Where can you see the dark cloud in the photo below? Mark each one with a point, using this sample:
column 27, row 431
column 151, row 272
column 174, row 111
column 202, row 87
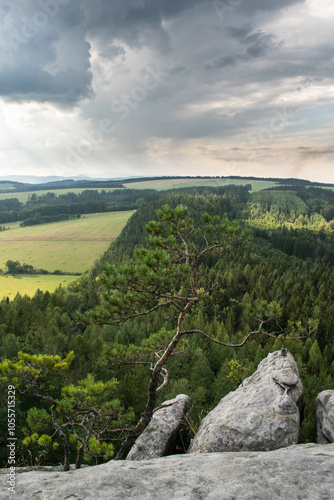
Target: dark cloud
column 54, row 65
column 223, row 61
column 44, row 55
column 240, row 32
column 258, row 44
column 132, row 20
column 33, row 84
column 135, row 22
column 251, row 6
column 313, row 154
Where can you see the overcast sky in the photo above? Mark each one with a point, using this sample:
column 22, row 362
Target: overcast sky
column 114, row 88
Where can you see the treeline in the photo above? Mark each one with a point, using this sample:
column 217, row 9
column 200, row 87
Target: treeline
column 68, row 183
column 287, row 181
column 46, row 219
column 294, row 202
column 264, row 269
column 107, row 199
column 15, row 267
column 38, row 208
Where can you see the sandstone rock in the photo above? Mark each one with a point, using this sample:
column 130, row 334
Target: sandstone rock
column 298, row 472
column 262, row 414
column 324, row 407
column 166, row 434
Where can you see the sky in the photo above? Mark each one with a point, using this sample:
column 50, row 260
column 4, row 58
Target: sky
column 118, row 88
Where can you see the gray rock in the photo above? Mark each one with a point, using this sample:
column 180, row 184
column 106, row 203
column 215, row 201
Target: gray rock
column 324, row 408
column 263, row 414
column 298, row 472
column 166, row 434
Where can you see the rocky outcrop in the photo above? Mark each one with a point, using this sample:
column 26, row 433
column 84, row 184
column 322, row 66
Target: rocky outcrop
column 297, row 472
column 262, row 414
column 324, row 408
column 166, row 434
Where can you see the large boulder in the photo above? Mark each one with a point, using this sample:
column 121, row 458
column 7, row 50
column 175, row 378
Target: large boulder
column 262, row 414
column 297, row 472
column 324, row 408
column 166, row 434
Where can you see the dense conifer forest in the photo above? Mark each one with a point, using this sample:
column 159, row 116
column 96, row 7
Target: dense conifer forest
column 289, row 259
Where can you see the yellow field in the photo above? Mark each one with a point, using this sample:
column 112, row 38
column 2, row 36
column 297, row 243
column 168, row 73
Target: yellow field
column 159, row 184
column 27, row 285
column 69, row 246
column 4, row 185
column 162, row 184
column 66, row 256
column 24, row 196
column 100, row 227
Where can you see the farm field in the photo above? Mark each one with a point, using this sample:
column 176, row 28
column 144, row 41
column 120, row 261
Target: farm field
column 27, row 285
column 24, row 195
column 4, row 185
column 158, row 184
column 103, row 226
column 161, row 184
column 69, row 246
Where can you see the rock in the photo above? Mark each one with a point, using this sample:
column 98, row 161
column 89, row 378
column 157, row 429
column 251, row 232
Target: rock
column 166, row 434
column 262, row 414
column 297, row 472
column 324, row 408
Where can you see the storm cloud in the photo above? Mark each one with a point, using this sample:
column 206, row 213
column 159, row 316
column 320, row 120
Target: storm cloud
column 177, row 81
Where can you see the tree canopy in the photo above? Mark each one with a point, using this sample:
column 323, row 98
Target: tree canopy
column 288, row 261
column 166, row 273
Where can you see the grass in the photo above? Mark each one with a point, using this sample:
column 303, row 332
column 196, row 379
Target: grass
column 162, row 184
column 24, row 196
column 5, row 185
column 28, row 285
column 159, row 184
column 70, row 246
column 99, row 227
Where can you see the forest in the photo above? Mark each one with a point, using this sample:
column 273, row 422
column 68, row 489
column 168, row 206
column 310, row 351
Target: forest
column 52, row 208
column 286, row 258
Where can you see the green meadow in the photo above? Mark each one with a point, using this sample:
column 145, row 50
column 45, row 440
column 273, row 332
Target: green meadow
column 27, row 285
column 69, row 246
column 5, row 185
column 24, row 196
column 161, row 184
